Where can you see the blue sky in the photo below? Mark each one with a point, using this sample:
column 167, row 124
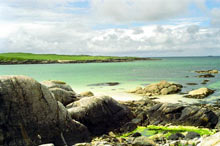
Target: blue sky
column 111, row 27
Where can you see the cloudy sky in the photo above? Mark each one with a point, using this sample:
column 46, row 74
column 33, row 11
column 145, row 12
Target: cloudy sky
column 111, row 27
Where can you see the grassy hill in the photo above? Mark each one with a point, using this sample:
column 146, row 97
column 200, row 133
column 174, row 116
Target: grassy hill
column 29, row 58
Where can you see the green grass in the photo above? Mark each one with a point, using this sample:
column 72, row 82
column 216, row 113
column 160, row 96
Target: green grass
column 52, row 57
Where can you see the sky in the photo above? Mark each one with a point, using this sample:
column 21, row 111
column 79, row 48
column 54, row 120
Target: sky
column 146, row 28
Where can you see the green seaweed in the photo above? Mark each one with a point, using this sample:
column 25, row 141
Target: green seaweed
column 153, row 131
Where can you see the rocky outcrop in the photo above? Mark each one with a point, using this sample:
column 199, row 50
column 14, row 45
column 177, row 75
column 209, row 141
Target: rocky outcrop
column 182, row 115
column 162, row 88
column 206, row 76
column 86, row 94
column 200, row 93
column 30, row 115
column 99, row 114
column 207, row 71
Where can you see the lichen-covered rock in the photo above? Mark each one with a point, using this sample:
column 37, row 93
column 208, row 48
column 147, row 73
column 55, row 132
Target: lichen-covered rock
column 200, row 93
column 99, row 114
column 57, row 84
column 182, row 115
column 161, row 88
column 86, row 94
column 30, row 115
column 63, row 96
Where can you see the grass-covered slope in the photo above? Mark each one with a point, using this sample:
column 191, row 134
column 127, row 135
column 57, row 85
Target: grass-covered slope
column 23, row 58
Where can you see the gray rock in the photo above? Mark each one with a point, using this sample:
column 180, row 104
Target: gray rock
column 57, row 84
column 176, row 136
column 212, row 140
column 86, row 94
column 63, row 96
column 30, row 115
column 99, row 114
column 143, row 141
column 192, row 135
column 182, row 115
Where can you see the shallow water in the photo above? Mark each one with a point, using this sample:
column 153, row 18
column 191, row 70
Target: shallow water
column 128, row 74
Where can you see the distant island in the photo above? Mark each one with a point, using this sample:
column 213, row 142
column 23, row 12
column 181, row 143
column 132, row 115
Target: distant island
column 29, row 58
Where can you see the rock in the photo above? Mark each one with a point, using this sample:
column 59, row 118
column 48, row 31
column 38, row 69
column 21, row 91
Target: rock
column 206, row 76
column 176, row 136
column 63, row 96
column 207, row 71
column 191, row 84
column 50, row 144
column 30, row 115
column 212, row 140
column 143, row 141
column 99, row 114
column 192, row 135
column 86, row 94
column 137, row 134
column 178, row 114
column 205, row 81
column 162, row 88
column 105, row 84
column 200, row 93
column 57, row 84
column 82, row 144
column 128, row 127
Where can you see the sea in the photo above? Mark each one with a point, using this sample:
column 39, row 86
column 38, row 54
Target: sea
column 129, row 75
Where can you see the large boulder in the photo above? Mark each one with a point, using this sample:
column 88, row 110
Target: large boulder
column 30, row 115
column 63, row 96
column 200, row 93
column 161, row 88
column 99, row 114
column 182, row 115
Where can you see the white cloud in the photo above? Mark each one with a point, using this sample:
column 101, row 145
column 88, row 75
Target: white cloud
column 139, row 10
column 215, row 16
column 143, row 41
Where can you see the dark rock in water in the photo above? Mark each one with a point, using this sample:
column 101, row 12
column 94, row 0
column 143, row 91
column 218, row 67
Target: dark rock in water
column 207, row 71
column 182, row 115
column 99, row 114
column 30, row 115
column 105, row 84
column 192, row 135
column 63, row 96
column 206, row 76
column 176, row 136
column 205, row 82
column 137, row 134
column 192, row 84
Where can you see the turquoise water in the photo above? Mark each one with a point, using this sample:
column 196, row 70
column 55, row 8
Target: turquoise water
column 128, row 74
